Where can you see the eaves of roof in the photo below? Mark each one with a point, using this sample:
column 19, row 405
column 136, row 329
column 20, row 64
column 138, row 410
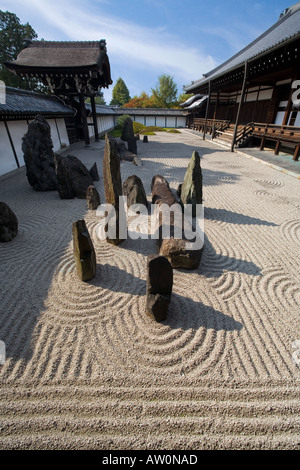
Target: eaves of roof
column 151, row 111
column 26, row 103
column 284, row 31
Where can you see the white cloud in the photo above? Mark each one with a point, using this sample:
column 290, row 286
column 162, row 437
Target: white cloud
column 127, row 42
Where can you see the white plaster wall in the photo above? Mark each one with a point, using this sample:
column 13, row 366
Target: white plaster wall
column 54, row 135
column 63, row 132
column 265, row 95
column 140, row 119
column 279, row 117
column 104, row 123
column 171, row 121
column 90, row 128
column 17, row 131
column 7, row 159
column 160, row 121
column 181, row 121
column 297, row 121
column 150, row 121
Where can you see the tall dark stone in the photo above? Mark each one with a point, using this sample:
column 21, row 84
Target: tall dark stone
column 84, row 253
column 64, row 184
column 112, row 181
column 128, row 135
column 159, row 284
column 191, row 188
column 134, row 190
column 38, row 155
column 8, row 223
column 73, row 177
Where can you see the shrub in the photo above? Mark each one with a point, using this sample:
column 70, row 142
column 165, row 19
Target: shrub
column 137, row 127
column 121, row 119
column 151, row 129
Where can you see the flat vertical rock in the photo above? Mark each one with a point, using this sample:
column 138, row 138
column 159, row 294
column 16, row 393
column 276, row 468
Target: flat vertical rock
column 8, row 223
column 64, row 184
column 177, row 250
column 159, row 286
column 92, row 198
column 128, row 135
column 37, row 147
column 83, row 249
column 112, row 181
column 94, row 172
column 134, row 190
column 191, row 188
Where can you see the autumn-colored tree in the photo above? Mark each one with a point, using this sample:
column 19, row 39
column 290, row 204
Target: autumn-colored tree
column 142, row 101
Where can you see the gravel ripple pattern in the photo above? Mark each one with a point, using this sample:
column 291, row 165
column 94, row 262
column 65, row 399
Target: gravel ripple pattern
column 86, row 368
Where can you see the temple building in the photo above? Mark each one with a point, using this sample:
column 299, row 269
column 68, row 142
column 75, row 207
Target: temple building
column 73, row 71
column 253, row 93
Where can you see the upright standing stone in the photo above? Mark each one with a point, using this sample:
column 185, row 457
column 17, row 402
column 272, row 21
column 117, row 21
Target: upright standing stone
column 177, row 249
column 8, row 223
column 83, row 249
column 191, row 189
column 64, row 184
column 159, row 286
column 38, row 155
column 134, row 190
column 94, row 172
column 112, row 181
column 73, row 177
column 92, row 198
column 128, row 135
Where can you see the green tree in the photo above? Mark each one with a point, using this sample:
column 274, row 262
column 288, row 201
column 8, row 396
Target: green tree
column 99, row 99
column 165, row 92
column 120, row 93
column 12, row 36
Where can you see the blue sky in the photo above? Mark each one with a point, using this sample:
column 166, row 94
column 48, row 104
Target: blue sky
column 145, row 38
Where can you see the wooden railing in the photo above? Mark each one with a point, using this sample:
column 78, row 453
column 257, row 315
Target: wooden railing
column 281, row 135
column 289, row 135
column 210, row 126
column 243, row 133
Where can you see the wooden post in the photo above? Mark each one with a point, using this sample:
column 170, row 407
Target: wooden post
column 240, row 105
column 94, row 118
column 288, row 110
column 206, row 112
column 84, row 119
column 216, row 105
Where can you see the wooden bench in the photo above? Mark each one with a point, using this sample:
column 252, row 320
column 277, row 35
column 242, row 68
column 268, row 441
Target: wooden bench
column 289, row 135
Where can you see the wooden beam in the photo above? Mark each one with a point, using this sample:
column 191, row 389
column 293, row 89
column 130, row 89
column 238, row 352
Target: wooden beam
column 240, row 105
column 206, row 111
column 94, row 117
column 84, row 119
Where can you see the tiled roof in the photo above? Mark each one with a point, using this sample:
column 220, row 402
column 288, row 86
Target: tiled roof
column 27, row 103
column 285, row 29
column 64, row 54
column 150, row 111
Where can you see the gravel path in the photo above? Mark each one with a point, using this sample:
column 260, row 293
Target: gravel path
column 87, row 369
